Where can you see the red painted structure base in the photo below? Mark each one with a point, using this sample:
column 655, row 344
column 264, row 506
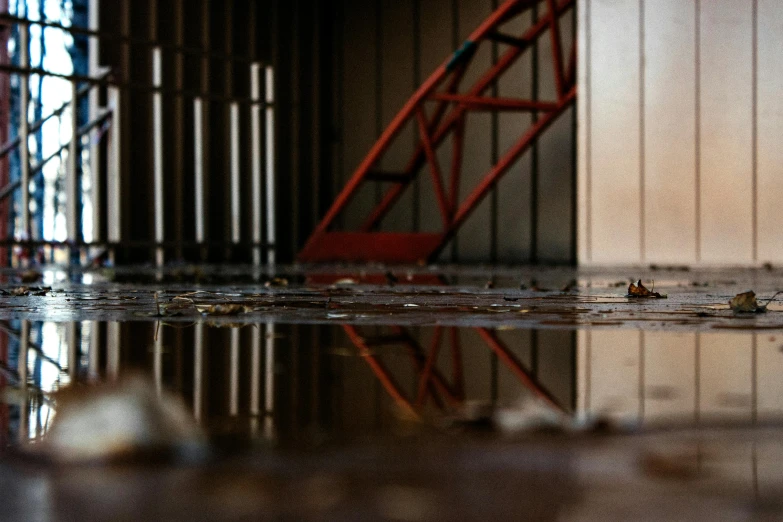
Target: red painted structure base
column 438, row 111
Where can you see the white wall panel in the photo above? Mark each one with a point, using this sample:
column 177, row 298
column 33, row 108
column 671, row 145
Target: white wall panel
column 583, row 131
column 669, row 375
column 695, row 175
column 726, row 132
column 670, row 131
column 770, row 130
column 614, row 128
column 725, row 381
column 769, row 368
column 614, row 374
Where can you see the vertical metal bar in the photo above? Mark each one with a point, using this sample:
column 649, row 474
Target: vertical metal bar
column 112, row 350
column 24, row 410
column 269, row 380
column 557, row 53
column 255, row 380
column 95, row 344
column 157, row 123
column 94, row 102
column 179, row 126
column 157, row 360
column 270, row 167
column 255, row 158
column 113, row 182
column 24, row 128
column 198, row 370
column 71, row 183
column 205, row 88
column 198, row 165
column 73, row 351
column 233, row 401
column 5, row 179
column 235, row 202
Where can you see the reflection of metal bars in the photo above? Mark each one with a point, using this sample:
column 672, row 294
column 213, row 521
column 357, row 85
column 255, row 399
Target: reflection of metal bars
column 111, row 175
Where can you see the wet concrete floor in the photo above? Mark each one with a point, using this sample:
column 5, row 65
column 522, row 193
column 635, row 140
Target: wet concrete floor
column 536, row 394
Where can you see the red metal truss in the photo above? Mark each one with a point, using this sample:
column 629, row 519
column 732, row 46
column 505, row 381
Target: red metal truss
column 449, row 106
column 431, row 382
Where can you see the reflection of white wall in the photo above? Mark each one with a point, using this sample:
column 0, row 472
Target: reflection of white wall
column 680, row 113
column 662, row 376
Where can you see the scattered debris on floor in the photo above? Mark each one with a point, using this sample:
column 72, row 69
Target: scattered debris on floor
column 26, row 290
column 746, row 303
column 639, row 290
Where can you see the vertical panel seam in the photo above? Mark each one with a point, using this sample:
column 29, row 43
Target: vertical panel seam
column 494, row 123
column 641, row 375
column 697, row 129
column 455, row 45
column 588, row 133
column 642, row 206
column 754, row 405
column 588, row 367
column 696, row 380
column 416, row 7
column 574, row 255
column 378, row 82
column 754, row 131
column 340, row 109
column 534, row 168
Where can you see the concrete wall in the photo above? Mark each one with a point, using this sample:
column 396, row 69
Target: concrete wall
column 680, row 115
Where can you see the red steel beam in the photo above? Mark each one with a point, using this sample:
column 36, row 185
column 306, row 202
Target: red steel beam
column 400, row 119
column 502, row 65
column 494, row 104
column 557, row 53
column 494, row 174
column 432, row 159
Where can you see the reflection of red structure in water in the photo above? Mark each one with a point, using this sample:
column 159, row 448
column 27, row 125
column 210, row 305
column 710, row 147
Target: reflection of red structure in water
column 438, row 110
column 431, row 382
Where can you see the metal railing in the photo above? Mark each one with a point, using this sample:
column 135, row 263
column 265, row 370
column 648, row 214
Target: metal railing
column 107, row 121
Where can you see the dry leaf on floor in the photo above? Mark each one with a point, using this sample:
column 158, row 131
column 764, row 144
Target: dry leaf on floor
column 638, row 290
column 746, row 302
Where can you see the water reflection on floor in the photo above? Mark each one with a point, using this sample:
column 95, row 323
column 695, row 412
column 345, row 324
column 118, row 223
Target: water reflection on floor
column 411, row 422
column 306, row 383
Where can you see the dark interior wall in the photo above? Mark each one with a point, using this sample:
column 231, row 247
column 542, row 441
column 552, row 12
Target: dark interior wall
column 207, row 49
column 343, row 69
column 372, row 56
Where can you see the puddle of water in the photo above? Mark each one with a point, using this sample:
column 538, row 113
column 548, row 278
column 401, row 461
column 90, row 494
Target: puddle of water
column 301, row 383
